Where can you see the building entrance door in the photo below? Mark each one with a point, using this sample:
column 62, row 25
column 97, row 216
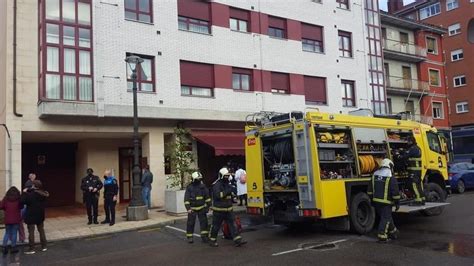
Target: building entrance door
column 126, row 172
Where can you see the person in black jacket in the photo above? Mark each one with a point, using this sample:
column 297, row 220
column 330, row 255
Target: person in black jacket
column 90, row 186
column 222, row 193
column 35, row 201
column 385, row 193
column 110, row 197
column 197, row 203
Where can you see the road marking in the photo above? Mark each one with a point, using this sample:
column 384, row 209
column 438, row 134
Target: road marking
column 180, row 230
column 148, row 230
column 310, row 247
column 98, row 237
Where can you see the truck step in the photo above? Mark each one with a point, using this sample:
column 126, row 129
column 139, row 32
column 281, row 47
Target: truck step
column 428, row 205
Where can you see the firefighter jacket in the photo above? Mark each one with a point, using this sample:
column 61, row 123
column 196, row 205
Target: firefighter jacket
column 413, row 156
column 384, row 187
column 222, row 193
column 197, row 197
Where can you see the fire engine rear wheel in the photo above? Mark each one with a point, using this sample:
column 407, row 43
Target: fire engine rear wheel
column 434, row 193
column 362, row 214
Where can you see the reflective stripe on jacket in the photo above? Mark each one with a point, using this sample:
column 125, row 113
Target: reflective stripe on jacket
column 222, row 193
column 383, row 187
column 196, row 197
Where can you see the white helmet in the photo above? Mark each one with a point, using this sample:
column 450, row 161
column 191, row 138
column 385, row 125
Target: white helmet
column 196, row 175
column 224, row 171
column 387, row 163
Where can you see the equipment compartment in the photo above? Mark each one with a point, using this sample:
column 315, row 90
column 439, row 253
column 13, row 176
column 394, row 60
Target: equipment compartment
column 279, row 163
column 336, row 156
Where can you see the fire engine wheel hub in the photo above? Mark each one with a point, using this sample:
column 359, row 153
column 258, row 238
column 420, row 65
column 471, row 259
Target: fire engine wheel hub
column 363, row 213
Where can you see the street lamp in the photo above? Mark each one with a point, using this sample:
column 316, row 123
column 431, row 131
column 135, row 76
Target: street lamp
column 137, row 210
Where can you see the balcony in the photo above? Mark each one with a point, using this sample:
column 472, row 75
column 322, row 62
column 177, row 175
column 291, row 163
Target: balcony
column 402, row 51
column 402, row 86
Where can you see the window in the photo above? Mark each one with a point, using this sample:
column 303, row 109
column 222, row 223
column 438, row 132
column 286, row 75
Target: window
column 454, row 29
column 277, row 27
column 430, row 11
column 315, row 89
column 462, row 107
column 438, row 111
column 312, row 38
column 459, row 81
column 434, row 77
column 194, row 16
column 344, row 4
column 197, row 79
column 280, row 83
column 404, row 38
column 389, row 105
column 66, row 50
column 452, row 4
column 348, row 93
column 433, row 142
column 145, row 75
column 139, row 10
column 194, row 25
column 431, row 45
column 241, row 79
column 345, row 44
column 239, row 20
column 457, row 55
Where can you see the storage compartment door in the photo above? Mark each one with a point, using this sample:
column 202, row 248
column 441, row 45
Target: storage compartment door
column 304, row 172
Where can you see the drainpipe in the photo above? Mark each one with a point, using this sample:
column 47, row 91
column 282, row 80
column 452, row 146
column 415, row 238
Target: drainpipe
column 14, row 60
column 9, row 156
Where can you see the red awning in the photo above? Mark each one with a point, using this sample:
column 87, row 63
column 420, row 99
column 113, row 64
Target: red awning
column 224, row 142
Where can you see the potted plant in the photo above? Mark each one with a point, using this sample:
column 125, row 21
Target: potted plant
column 181, row 160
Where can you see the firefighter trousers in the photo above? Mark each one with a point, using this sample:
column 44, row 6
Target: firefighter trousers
column 217, row 219
column 417, row 187
column 201, row 214
column 386, row 226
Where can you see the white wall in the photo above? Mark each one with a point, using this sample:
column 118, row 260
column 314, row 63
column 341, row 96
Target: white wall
column 114, row 36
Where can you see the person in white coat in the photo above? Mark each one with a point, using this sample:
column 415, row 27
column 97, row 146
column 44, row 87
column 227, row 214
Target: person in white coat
column 241, row 179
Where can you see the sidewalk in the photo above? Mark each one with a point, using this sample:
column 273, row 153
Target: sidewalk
column 75, row 226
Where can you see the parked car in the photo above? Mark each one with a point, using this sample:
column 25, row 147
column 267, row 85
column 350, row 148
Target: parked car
column 461, row 176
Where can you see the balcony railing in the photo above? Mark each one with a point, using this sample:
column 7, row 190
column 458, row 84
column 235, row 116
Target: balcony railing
column 407, row 84
column 402, row 47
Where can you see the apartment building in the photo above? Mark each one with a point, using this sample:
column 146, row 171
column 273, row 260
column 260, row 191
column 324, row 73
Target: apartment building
column 66, row 97
column 414, row 67
column 458, row 48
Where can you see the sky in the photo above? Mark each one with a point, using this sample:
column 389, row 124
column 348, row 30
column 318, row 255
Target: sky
column 383, row 3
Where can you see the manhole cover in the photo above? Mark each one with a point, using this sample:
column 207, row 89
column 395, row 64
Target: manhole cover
column 318, row 246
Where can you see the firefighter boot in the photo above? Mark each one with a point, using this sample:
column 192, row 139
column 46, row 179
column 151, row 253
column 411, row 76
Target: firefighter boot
column 394, row 234
column 190, row 240
column 213, row 244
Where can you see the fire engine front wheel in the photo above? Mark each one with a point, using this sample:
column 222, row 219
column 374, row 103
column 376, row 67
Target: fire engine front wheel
column 434, row 193
column 362, row 214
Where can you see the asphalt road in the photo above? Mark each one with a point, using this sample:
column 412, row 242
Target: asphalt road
column 444, row 240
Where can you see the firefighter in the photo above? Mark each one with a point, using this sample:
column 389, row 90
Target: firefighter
column 222, row 193
column 197, row 203
column 385, row 193
column 413, row 159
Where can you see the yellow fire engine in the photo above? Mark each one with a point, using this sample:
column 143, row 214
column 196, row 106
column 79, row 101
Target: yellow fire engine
column 318, row 166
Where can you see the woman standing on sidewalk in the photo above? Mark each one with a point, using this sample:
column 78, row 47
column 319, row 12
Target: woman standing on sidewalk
column 110, row 197
column 12, row 207
column 35, row 201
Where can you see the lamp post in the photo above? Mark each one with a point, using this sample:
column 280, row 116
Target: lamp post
column 137, row 210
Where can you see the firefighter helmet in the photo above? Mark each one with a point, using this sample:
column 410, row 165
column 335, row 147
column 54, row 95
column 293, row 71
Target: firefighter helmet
column 196, row 175
column 386, row 163
column 224, row 171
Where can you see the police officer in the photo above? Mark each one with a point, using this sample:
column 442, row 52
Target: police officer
column 197, row 202
column 110, row 197
column 413, row 159
column 90, row 186
column 383, row 199
column 222, row 193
